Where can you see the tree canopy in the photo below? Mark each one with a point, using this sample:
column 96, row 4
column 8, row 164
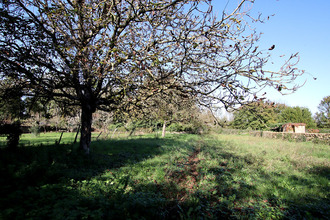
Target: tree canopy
column 323, row 116
column 297, row 115
column 115, row 55
column 257, row 115
column 11, row 105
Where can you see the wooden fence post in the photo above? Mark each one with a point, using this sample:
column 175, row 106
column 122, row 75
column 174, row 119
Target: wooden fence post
column 59, row 141
column 99, row 136
column 75, row 139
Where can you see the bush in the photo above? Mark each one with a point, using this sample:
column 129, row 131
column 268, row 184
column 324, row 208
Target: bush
column 301, row 138
column 191, row 128
column 288, row 137
column 35, row 129
column 176, row 127
column 14, row 134
column 324, row 130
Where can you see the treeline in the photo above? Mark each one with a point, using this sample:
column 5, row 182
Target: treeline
column 267, row 115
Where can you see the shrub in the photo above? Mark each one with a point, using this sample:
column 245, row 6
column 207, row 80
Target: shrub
column 14, row 134
column 35, row 129
column 177, row 127
column 301, row 138
column 191, row 128
column 288, row 137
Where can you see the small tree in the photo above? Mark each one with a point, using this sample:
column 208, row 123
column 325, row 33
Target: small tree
column 257, row 116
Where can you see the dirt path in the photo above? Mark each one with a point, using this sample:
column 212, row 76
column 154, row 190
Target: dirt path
column 184, row 180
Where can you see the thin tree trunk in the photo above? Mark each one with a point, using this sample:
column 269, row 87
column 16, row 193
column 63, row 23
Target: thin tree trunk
column 113, row 133
column 132, row 131
column 86, row 128
column 164, row 128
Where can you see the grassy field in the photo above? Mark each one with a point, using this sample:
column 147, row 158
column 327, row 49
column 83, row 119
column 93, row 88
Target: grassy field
column 48, row 138
column 181, row 176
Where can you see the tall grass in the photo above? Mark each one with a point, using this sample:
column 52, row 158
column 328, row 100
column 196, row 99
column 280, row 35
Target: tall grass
column 180, row 176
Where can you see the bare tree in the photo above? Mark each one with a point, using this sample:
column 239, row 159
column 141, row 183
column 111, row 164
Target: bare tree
column 115, row 54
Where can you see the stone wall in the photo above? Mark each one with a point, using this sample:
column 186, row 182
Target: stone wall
column 314, row 137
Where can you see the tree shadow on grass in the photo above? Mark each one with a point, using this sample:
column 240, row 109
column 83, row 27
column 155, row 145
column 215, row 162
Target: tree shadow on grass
column 41, row 180
column 32, row 163
column 296, row 195
column 323, row 171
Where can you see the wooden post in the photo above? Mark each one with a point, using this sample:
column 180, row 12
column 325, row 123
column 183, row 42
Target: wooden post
column 99, row 136
column 164, row 128
column 59, row 141
column 75, row 139
column 106, row 136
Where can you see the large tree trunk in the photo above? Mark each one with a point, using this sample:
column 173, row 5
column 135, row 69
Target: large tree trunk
column 86, row 127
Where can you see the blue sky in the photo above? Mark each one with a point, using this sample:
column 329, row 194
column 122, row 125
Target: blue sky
column 298, row 26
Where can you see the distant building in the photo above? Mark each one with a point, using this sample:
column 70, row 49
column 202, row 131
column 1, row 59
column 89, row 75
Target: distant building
column 294, row 128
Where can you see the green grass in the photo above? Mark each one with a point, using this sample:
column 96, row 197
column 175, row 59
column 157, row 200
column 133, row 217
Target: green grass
column 178, row 177
column 42, row 138
column 50, row 138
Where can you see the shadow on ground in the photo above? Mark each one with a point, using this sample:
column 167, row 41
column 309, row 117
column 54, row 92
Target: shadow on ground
column 43, row 181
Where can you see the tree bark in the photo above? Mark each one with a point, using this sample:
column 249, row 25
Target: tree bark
column 86, row 127
column 164, row 128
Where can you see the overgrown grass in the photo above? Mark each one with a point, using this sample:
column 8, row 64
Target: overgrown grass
column 180, row 176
